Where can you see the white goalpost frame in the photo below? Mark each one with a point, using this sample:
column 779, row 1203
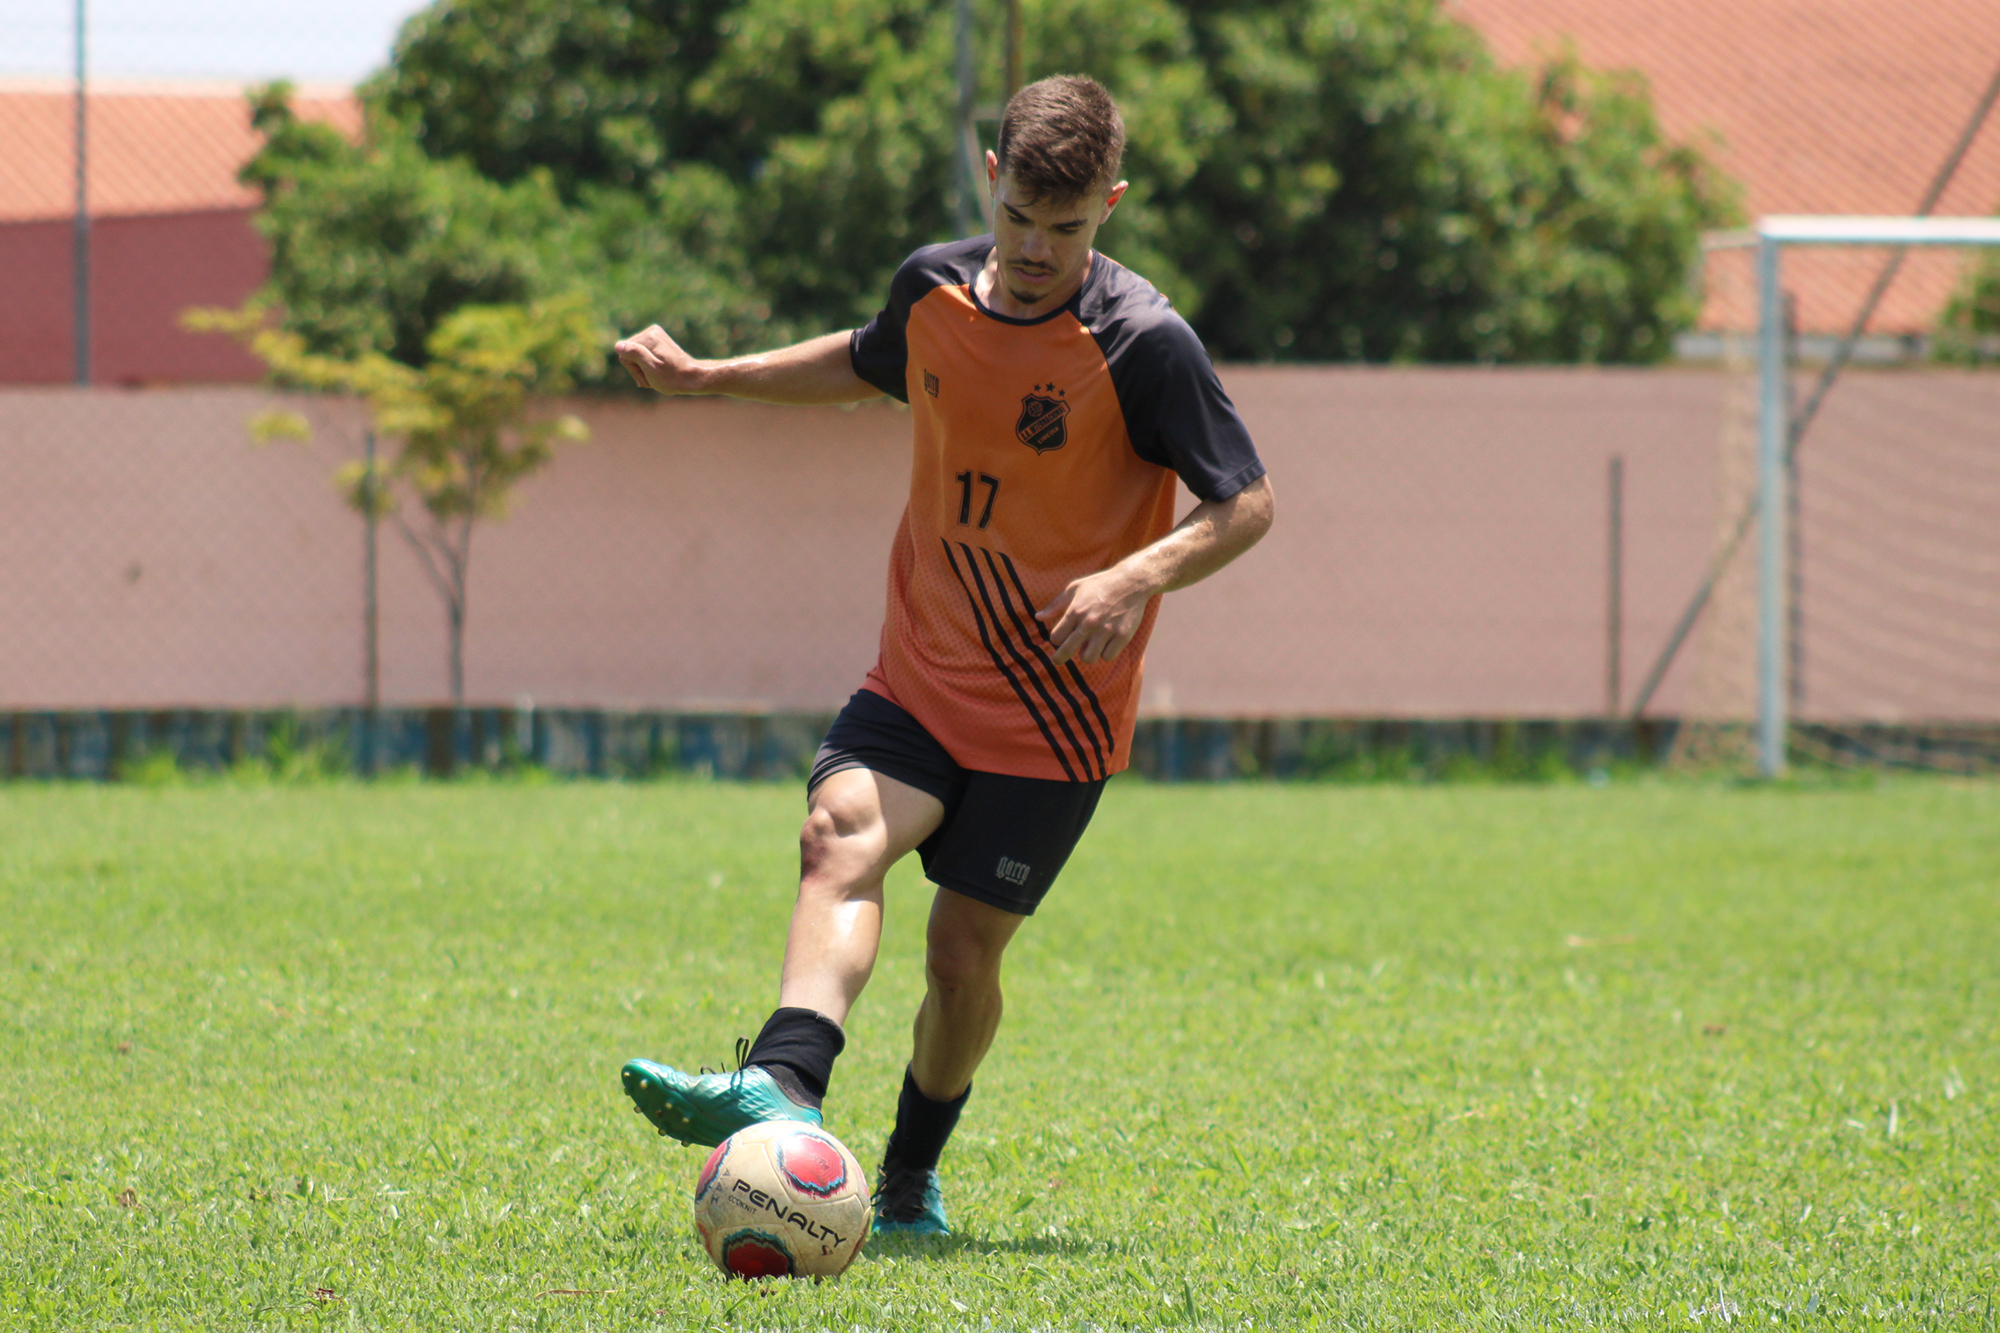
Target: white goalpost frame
column 1772, row 234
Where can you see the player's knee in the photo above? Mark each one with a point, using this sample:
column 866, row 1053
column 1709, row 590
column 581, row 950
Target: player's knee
column 954, row 963
column 834, row 832
column 817, row 843
column 843, row 809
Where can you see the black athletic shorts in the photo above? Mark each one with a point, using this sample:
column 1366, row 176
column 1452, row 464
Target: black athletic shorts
column 1003, row 839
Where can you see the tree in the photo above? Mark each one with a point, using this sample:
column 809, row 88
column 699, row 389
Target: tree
column 1313, row 179
column 1383, row 192
column 466, row 421
column 374, row 243
column 811, row 135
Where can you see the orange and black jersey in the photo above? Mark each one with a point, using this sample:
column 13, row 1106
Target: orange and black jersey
column 1046, row 449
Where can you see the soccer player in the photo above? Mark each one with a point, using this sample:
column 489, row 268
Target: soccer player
column 1055, row 396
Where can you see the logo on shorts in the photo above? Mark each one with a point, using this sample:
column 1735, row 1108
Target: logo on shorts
column 930, row 384
column 1014, row 872
column 1043, row 416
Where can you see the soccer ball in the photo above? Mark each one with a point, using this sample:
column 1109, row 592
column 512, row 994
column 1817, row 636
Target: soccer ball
column 781, row 1199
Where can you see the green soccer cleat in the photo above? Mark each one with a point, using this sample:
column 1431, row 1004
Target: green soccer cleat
column 909, row 1202
column 705, row 1109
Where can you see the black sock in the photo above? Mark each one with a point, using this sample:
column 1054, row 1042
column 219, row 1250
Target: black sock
column 922, row 1127
column 797, row 1048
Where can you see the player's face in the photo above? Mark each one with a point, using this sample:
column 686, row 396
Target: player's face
column 1043, row 245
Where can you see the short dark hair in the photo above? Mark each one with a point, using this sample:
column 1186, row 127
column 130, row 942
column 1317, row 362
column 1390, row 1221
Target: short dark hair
column 1062, row 138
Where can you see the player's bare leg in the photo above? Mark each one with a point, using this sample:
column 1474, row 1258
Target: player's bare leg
column 954, row 1028
column 860, row 824
column 962, row 1000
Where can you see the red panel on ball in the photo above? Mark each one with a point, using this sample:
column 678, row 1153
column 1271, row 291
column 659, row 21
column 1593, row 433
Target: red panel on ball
column 750, row 1254
column 812, row 1164
column 709, row 1169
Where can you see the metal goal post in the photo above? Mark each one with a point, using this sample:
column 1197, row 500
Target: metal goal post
column 1772, row 235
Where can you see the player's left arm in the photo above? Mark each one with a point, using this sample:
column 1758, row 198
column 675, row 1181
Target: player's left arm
column 1095, row 617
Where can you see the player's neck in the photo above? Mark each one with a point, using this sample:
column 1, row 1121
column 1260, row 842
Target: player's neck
column 993, row 293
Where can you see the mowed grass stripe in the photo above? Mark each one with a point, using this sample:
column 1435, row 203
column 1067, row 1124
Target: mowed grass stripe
column 1407, row 1057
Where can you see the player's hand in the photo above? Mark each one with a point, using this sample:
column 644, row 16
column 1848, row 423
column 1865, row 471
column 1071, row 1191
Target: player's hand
column 1096, row 616
column 656, row 361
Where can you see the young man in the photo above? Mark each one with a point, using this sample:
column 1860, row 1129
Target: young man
column 1055, row 396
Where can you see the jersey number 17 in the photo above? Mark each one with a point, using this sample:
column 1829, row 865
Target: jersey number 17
column 992, row 485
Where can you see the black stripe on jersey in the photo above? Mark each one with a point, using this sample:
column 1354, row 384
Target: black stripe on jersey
column 1005, row 670
column 1074, row 673
column 1048, row 664
column 1000, row 628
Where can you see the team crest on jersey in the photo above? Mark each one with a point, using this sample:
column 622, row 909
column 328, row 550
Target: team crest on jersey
column 1044, row 419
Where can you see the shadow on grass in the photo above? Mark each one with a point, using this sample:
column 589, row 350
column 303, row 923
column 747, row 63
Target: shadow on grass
column 973, row 1245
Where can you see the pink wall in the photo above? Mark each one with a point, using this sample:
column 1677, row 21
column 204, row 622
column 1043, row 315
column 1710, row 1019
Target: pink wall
column 1440, row 552
column 144, row 272
column 1441, row 544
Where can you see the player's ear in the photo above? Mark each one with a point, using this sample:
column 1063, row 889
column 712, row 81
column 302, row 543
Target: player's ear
column 1112, row 197
column 992, row 167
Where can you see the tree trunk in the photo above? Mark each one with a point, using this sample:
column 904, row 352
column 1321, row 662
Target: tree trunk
column 458, row 650
column 445, row 562
column 459, row 563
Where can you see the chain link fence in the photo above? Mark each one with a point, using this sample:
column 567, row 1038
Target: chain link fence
column 701, row 585
column 1894, row 578
column 1471, row 570
column 1892, row 637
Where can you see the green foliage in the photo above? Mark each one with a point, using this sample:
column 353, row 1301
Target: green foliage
column 154, row 768
column 1661, row 1056
column 1968, row 331
column 829, row 127
column 805, row 143
column 292, row 759
column 1312, row 179
column 1383, row 193
column 375, row 243
column 592, row 94
column 464, row 421
column 1337, row 751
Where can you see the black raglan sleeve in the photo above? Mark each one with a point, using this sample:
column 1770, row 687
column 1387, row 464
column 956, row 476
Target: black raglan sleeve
column 880, row 348
column 1175, row 409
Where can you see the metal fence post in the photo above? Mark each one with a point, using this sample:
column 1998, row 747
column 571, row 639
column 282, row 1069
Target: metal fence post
column 1614, row 609
column 968, row 201
column 1770, row 513
column 371, row 625
column 80, row 258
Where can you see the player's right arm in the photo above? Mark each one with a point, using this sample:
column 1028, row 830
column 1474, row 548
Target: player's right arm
column 819, row 370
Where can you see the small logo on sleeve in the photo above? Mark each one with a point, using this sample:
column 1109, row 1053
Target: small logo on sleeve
column 1014, row 872
column 1044, row 417
column 930, row 384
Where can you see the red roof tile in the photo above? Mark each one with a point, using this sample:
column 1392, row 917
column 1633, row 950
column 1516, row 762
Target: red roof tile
column 1816, row 106
column 155, row 148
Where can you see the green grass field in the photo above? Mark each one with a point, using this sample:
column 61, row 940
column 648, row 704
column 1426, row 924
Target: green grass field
column 1660, row 1055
